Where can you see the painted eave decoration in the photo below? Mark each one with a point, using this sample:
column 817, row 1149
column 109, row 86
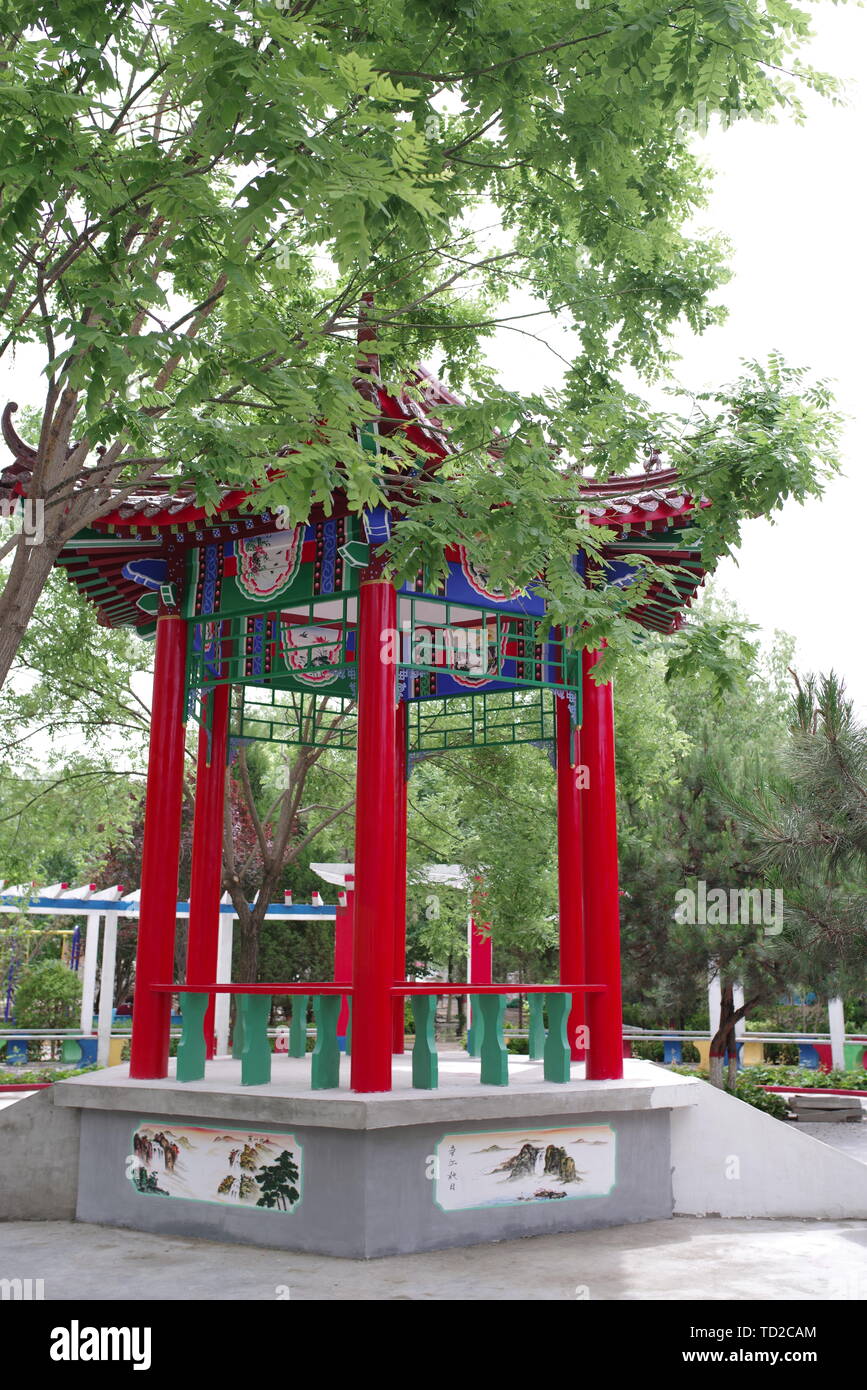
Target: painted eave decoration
column 120, row 562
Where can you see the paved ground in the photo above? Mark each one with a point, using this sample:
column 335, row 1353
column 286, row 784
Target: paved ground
column 687, row 1258
column 851, row 1138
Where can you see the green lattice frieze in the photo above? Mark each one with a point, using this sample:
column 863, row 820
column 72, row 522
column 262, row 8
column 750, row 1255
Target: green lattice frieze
column 471, row 678
column 485, row 720
column 481, row 721
column 293, row 717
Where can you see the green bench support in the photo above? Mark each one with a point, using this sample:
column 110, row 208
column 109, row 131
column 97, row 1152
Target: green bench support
column 298, row 1026
column 425, row 1066
column 191, row 1048
column 495, row 1058
column 238, row 1031
column 255, row 1010
column 557, row 1055
column 474, row 1032
column 537, row 1027
column 325, row 1066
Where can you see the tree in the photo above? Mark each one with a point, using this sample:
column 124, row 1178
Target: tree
column 260, row 844
column 729, row 722
column 47, row 996
column 73, row 740
column 197, row 195
column 278, row 1183
column 808, row 821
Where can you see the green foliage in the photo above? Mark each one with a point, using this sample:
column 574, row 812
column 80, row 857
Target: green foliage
column 807, row 820
column 804, row 1076
column 680, row 835
column 197, row 194
column 47, row 996
column 41, row 1074
column 746, row 1088
column 73, row 737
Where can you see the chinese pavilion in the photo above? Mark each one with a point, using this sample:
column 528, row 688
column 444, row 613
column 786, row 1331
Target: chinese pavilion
column 293, row 633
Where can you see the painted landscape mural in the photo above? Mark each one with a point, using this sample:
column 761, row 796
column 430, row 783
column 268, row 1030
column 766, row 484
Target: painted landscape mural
column 502, row 1168
column 233, row 1167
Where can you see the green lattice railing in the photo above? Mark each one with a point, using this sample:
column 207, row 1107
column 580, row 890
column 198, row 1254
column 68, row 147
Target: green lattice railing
column 271, row 647
column 446, row 638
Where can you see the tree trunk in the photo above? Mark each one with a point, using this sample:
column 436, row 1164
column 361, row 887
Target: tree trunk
column 731, row 1079
column 723, row 1038
column 28, row 574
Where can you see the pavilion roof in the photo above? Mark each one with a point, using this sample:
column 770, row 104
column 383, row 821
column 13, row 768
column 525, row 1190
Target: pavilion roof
column 646, row 511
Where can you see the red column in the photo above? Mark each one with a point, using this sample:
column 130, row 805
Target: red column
column 162, row 835
column 343, row 952
column 480, row 965
column 398, row 1029
column 375, row 836
column 601, row 895
column 569, row 868
column 207, row 868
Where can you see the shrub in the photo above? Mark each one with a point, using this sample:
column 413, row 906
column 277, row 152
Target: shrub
column 16, row 1077
column 47, row 996
column 804, row 1076
column 518, row 1045
column 648, row 1049
column 747, row 1089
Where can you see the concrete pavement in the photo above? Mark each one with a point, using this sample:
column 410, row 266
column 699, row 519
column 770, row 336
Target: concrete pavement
column 686, row 1258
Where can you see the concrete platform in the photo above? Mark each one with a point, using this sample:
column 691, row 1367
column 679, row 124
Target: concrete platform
column 460, row 1096
column 378, row 1174
column 684, row 1259
column 405, row 1171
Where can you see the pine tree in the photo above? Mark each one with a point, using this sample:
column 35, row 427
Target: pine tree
column 810, row 826
column 278, row 1183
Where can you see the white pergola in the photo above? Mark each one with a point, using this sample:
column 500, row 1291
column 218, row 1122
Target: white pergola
column 97, row 905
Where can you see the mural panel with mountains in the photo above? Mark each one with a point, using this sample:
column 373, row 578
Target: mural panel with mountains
column 506, row 1167
column 233, row 1167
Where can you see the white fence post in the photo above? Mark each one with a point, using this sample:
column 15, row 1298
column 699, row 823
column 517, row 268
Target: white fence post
column 837, row 1029
column 224, row 977
column 738, row 1001
column 88, row 983
column 106, row 987
column 714, row 995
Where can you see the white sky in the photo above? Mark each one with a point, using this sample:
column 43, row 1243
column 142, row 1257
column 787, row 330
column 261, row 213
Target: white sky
column 790, row 199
